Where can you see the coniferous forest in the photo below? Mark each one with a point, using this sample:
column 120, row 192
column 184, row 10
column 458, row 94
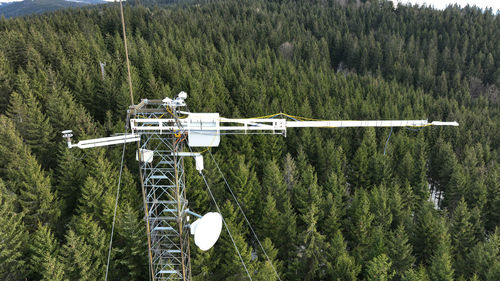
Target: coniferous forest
column 327, row 204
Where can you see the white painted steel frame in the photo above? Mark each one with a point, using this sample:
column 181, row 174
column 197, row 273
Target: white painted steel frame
column 274, row 125
column 106, row 141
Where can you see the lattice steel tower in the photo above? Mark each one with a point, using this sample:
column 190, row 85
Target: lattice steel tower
column 163, row 179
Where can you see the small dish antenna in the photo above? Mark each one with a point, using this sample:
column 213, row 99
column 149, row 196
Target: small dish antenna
column 207, row 230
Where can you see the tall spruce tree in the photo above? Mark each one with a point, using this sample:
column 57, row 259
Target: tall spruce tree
column 379, row 268
column 98, row 191
column 5, row 82
column 267, row 269
column 462, row 237
column 70, row 177
column 130, row 247
column 441, row 263
column 360, row 225
column 13, row 236
column 415, row 275
column 312, row 250
column 245, row 185
column 25, row 110
column 363, row 165
column 53, row 270
column 485, row 256
column 428, row 230
column 84, row 253
column 43, row 251
column 25, row 177
column 492, row 209
column 231, row 266
column 342, row 266
column 400, row 250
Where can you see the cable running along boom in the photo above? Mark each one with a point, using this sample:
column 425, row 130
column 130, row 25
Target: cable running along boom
column 162, row 129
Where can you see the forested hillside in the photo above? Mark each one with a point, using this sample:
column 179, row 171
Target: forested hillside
column 28, row 7
column 327, row 204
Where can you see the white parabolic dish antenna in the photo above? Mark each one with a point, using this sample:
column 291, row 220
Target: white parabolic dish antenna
column 207, row 230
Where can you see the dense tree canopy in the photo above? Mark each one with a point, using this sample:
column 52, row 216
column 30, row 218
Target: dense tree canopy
column 328, row 204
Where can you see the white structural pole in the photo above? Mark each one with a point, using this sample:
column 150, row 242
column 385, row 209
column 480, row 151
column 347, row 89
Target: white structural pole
column 211, row 124
column 126, row 138
column 371, row 123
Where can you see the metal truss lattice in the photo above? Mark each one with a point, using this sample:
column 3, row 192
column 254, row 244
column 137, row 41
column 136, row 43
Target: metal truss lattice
column 163, row 179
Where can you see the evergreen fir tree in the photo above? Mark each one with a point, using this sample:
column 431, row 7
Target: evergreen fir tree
column 400, row 250
column 342, row 265
column 443, row 164
column 360, row 225
column 441, row 265
column 483, row 258
column 231, row 267
column 53, row 270
column 43, row 248
column 85, row 251
column 288, row 242
column 332, row 221
column 245, row 185
column 492, row 208
column 408, row 197
column 363, row 163
column 5, row 82
column 203, row 264
column 415, row 275
column 379, row 268
column 311, row 255
column 130, row 247
column 26, row 178
column 420, row 181
column 98, row 191
column 31, row 122
column 272, row 182
column 290, row 173
column 456, row 187
column 429, row 229
column 64, row 113
column 13, row 236
column 271, row 219
column 70, row 177
column 265, row 269
column 307, row 193
column 380, row 206
column 462, row 237
column 400, row 215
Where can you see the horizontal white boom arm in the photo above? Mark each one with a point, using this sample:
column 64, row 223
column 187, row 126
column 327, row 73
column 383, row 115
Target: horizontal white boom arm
column 204, row 129
column 375, row 123
column 226, row 124
column 106, row 141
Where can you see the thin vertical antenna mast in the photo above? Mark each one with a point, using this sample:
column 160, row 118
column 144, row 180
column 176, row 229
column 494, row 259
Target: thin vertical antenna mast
column 126, row 55
column 146, row 211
